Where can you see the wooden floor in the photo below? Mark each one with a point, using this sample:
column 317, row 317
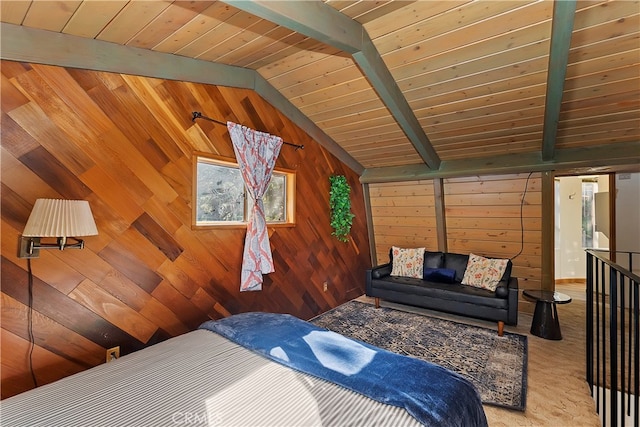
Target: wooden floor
column 557, row 392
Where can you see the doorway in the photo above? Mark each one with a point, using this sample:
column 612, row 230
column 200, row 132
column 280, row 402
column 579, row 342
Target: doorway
column 582, row 221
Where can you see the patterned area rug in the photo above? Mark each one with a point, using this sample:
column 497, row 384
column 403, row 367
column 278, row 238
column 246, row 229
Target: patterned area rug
column 497, row 366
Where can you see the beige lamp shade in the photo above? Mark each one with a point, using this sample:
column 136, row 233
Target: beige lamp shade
column 60, row 218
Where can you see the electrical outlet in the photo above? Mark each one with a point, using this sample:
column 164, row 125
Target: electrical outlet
column 113, row 353
column 325, row 286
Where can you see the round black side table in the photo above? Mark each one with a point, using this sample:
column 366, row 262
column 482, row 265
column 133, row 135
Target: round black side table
column 545, row 322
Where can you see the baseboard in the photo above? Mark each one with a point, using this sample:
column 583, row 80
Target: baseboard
column 577, row 280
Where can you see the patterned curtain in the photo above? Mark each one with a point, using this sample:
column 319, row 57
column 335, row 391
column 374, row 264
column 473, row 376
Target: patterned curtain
column 256, row 153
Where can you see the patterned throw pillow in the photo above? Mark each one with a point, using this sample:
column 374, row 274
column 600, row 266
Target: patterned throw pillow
column 484, row 272
column 407, row 262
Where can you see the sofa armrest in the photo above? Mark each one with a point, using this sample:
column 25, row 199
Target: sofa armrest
column 513, row 301
column 509, row 290
column 506, row 286
column 381, row 271
column 377, row 272
column 502, row 291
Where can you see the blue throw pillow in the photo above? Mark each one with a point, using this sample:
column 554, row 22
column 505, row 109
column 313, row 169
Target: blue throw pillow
column 442, row 275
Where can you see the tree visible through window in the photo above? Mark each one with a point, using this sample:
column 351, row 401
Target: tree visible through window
column 221, row 197
column 274, row 199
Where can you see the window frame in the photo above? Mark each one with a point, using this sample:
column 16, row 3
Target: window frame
column 290, row 192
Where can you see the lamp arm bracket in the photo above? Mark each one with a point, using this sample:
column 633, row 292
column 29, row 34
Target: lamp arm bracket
column 29, row 247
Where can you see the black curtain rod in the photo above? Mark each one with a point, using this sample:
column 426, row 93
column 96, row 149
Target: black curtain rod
column 198, row 115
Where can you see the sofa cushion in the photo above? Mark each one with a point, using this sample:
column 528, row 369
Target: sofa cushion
column 484, row 272
column 442, row 275
column 433, row 259
column 457, row 262
column 407, row 262
column 444, row 291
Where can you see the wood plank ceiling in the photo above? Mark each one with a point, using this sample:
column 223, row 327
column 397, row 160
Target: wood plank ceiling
column 397, row 90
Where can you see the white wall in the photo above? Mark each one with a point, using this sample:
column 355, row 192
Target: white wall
column 628, row 217
column 628, row 212
column 570, row 256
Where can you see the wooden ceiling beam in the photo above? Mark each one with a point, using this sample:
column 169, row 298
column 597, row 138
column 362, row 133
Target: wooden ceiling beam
column 321, row 22
column 561, row 30
column 45, row 47
column 595, row 159
column 314, row 19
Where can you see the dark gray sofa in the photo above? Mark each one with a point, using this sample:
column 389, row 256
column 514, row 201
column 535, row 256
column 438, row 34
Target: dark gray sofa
column 453, row 297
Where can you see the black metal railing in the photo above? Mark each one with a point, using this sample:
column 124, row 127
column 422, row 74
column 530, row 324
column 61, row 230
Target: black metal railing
column 613, row 336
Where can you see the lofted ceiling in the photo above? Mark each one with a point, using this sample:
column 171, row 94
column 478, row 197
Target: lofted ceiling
column 395, row 89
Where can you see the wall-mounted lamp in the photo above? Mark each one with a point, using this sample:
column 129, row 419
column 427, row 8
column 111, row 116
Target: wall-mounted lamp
column 61, row 219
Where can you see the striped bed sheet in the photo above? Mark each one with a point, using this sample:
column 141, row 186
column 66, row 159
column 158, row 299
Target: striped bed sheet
column 196, row 379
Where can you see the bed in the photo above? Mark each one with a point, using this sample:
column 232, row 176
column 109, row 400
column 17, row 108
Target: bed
column 253, row 369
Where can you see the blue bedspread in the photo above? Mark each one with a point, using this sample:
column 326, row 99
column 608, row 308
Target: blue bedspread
column 433, row 395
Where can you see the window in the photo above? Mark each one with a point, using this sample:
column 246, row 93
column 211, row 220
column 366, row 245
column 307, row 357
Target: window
column 589, row 237
column 221, row 197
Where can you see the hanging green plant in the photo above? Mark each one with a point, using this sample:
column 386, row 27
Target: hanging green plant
column 340, row 203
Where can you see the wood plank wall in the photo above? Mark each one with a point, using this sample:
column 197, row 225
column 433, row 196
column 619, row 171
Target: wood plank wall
column 403, row 214
column 482, row 215
column 125, row 144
